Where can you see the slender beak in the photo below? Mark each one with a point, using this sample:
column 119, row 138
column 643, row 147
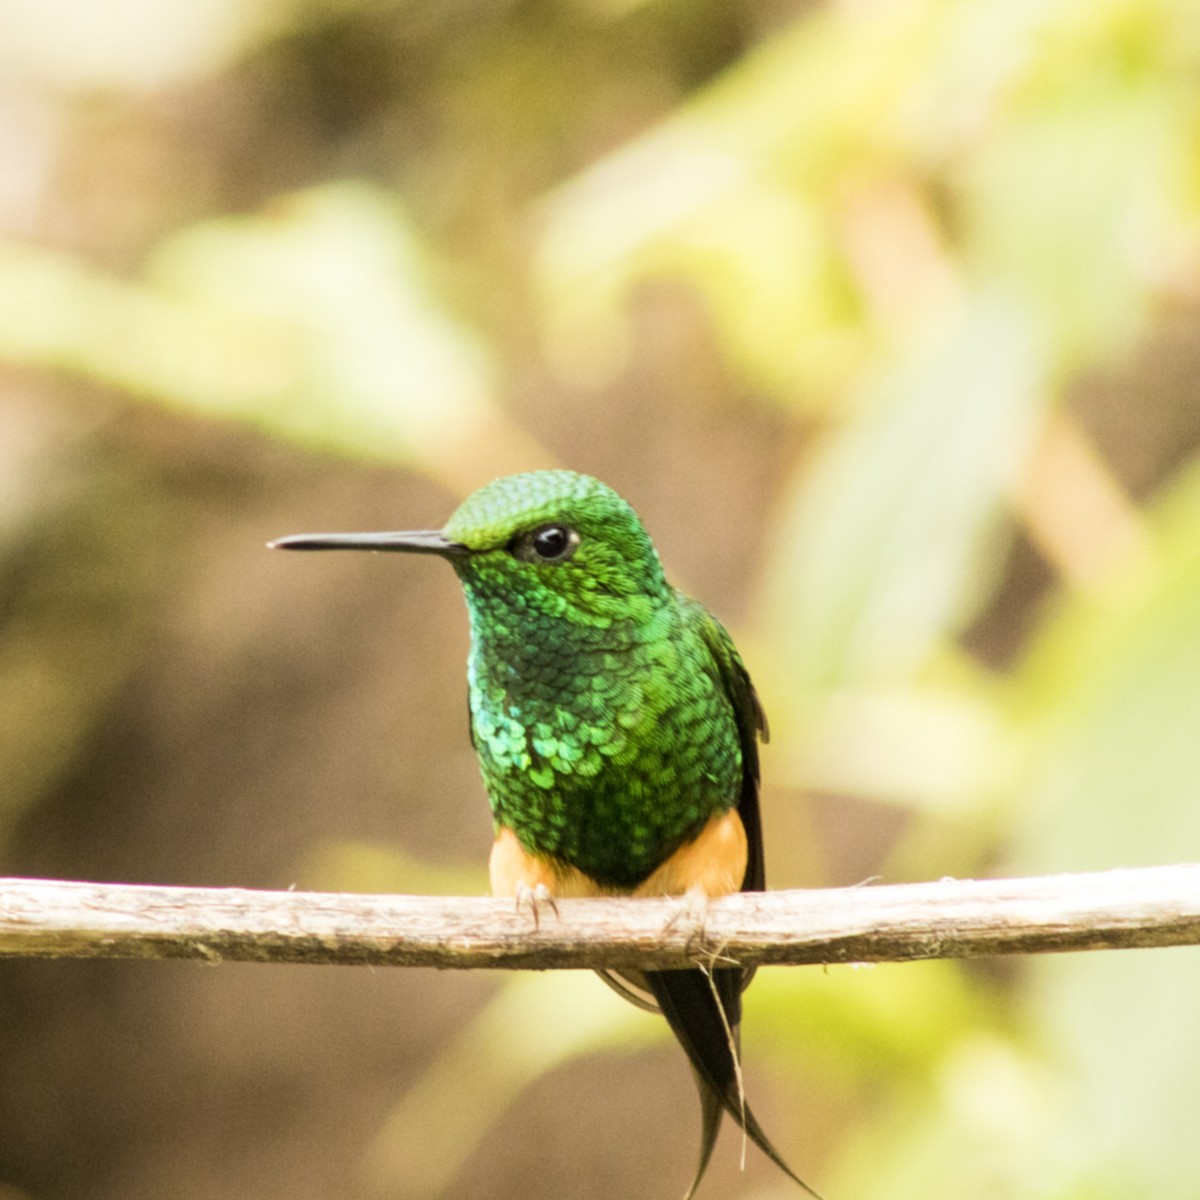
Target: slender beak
column 424, row 541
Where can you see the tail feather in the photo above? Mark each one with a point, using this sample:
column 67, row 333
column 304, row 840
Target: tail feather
column 689, row 1001
column 711, row 1111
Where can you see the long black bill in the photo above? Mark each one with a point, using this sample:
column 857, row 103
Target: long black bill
column 421, row 541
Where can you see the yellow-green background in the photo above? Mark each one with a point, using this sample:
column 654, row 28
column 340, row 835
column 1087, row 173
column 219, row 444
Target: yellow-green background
column 885, row 314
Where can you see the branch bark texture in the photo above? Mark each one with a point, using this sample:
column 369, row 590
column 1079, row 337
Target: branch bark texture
column 1144, row 907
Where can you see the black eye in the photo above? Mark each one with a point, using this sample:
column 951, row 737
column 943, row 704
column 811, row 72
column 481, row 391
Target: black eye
column 546, row 544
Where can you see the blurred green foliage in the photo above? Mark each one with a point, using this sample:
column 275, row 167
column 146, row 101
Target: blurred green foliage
column 917, row 235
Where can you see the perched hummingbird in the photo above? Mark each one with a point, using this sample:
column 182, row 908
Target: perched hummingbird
column 616, row 729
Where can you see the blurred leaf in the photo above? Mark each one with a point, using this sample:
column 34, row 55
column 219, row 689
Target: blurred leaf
column 316, row 322
column 887, row 538
column 935, row 748
column 1071, row 198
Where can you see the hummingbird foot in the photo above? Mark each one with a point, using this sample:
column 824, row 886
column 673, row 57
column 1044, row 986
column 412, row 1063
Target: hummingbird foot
column 537, row 897
column 690, row 912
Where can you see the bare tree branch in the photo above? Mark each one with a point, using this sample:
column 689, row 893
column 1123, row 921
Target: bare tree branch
column 1154, row 906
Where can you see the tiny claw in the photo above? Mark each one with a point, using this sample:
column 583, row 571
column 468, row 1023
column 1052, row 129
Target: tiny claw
column 535, row 897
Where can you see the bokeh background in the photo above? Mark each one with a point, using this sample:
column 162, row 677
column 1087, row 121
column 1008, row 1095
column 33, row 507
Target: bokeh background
column 885, row 314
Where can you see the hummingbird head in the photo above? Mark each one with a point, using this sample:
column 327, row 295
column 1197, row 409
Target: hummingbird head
column 560, row 542
column 554, row 543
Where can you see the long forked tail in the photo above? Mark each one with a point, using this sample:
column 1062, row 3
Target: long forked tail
column 689, row 1001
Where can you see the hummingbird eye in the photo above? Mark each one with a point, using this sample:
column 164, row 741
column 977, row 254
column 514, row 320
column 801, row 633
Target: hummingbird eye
column 546, row 544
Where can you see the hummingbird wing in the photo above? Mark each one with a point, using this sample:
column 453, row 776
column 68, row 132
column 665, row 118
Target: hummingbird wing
column 751, row 725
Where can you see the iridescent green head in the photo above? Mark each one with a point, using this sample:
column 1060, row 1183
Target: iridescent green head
column 564, row 543
column 567, row 537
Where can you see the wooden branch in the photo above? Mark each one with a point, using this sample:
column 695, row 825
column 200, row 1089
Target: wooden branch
column 1155, row 906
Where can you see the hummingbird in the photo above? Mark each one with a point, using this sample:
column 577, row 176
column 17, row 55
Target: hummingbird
column 617, row 732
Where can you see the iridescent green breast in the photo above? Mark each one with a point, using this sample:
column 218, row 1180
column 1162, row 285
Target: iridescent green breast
column 602, row 747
